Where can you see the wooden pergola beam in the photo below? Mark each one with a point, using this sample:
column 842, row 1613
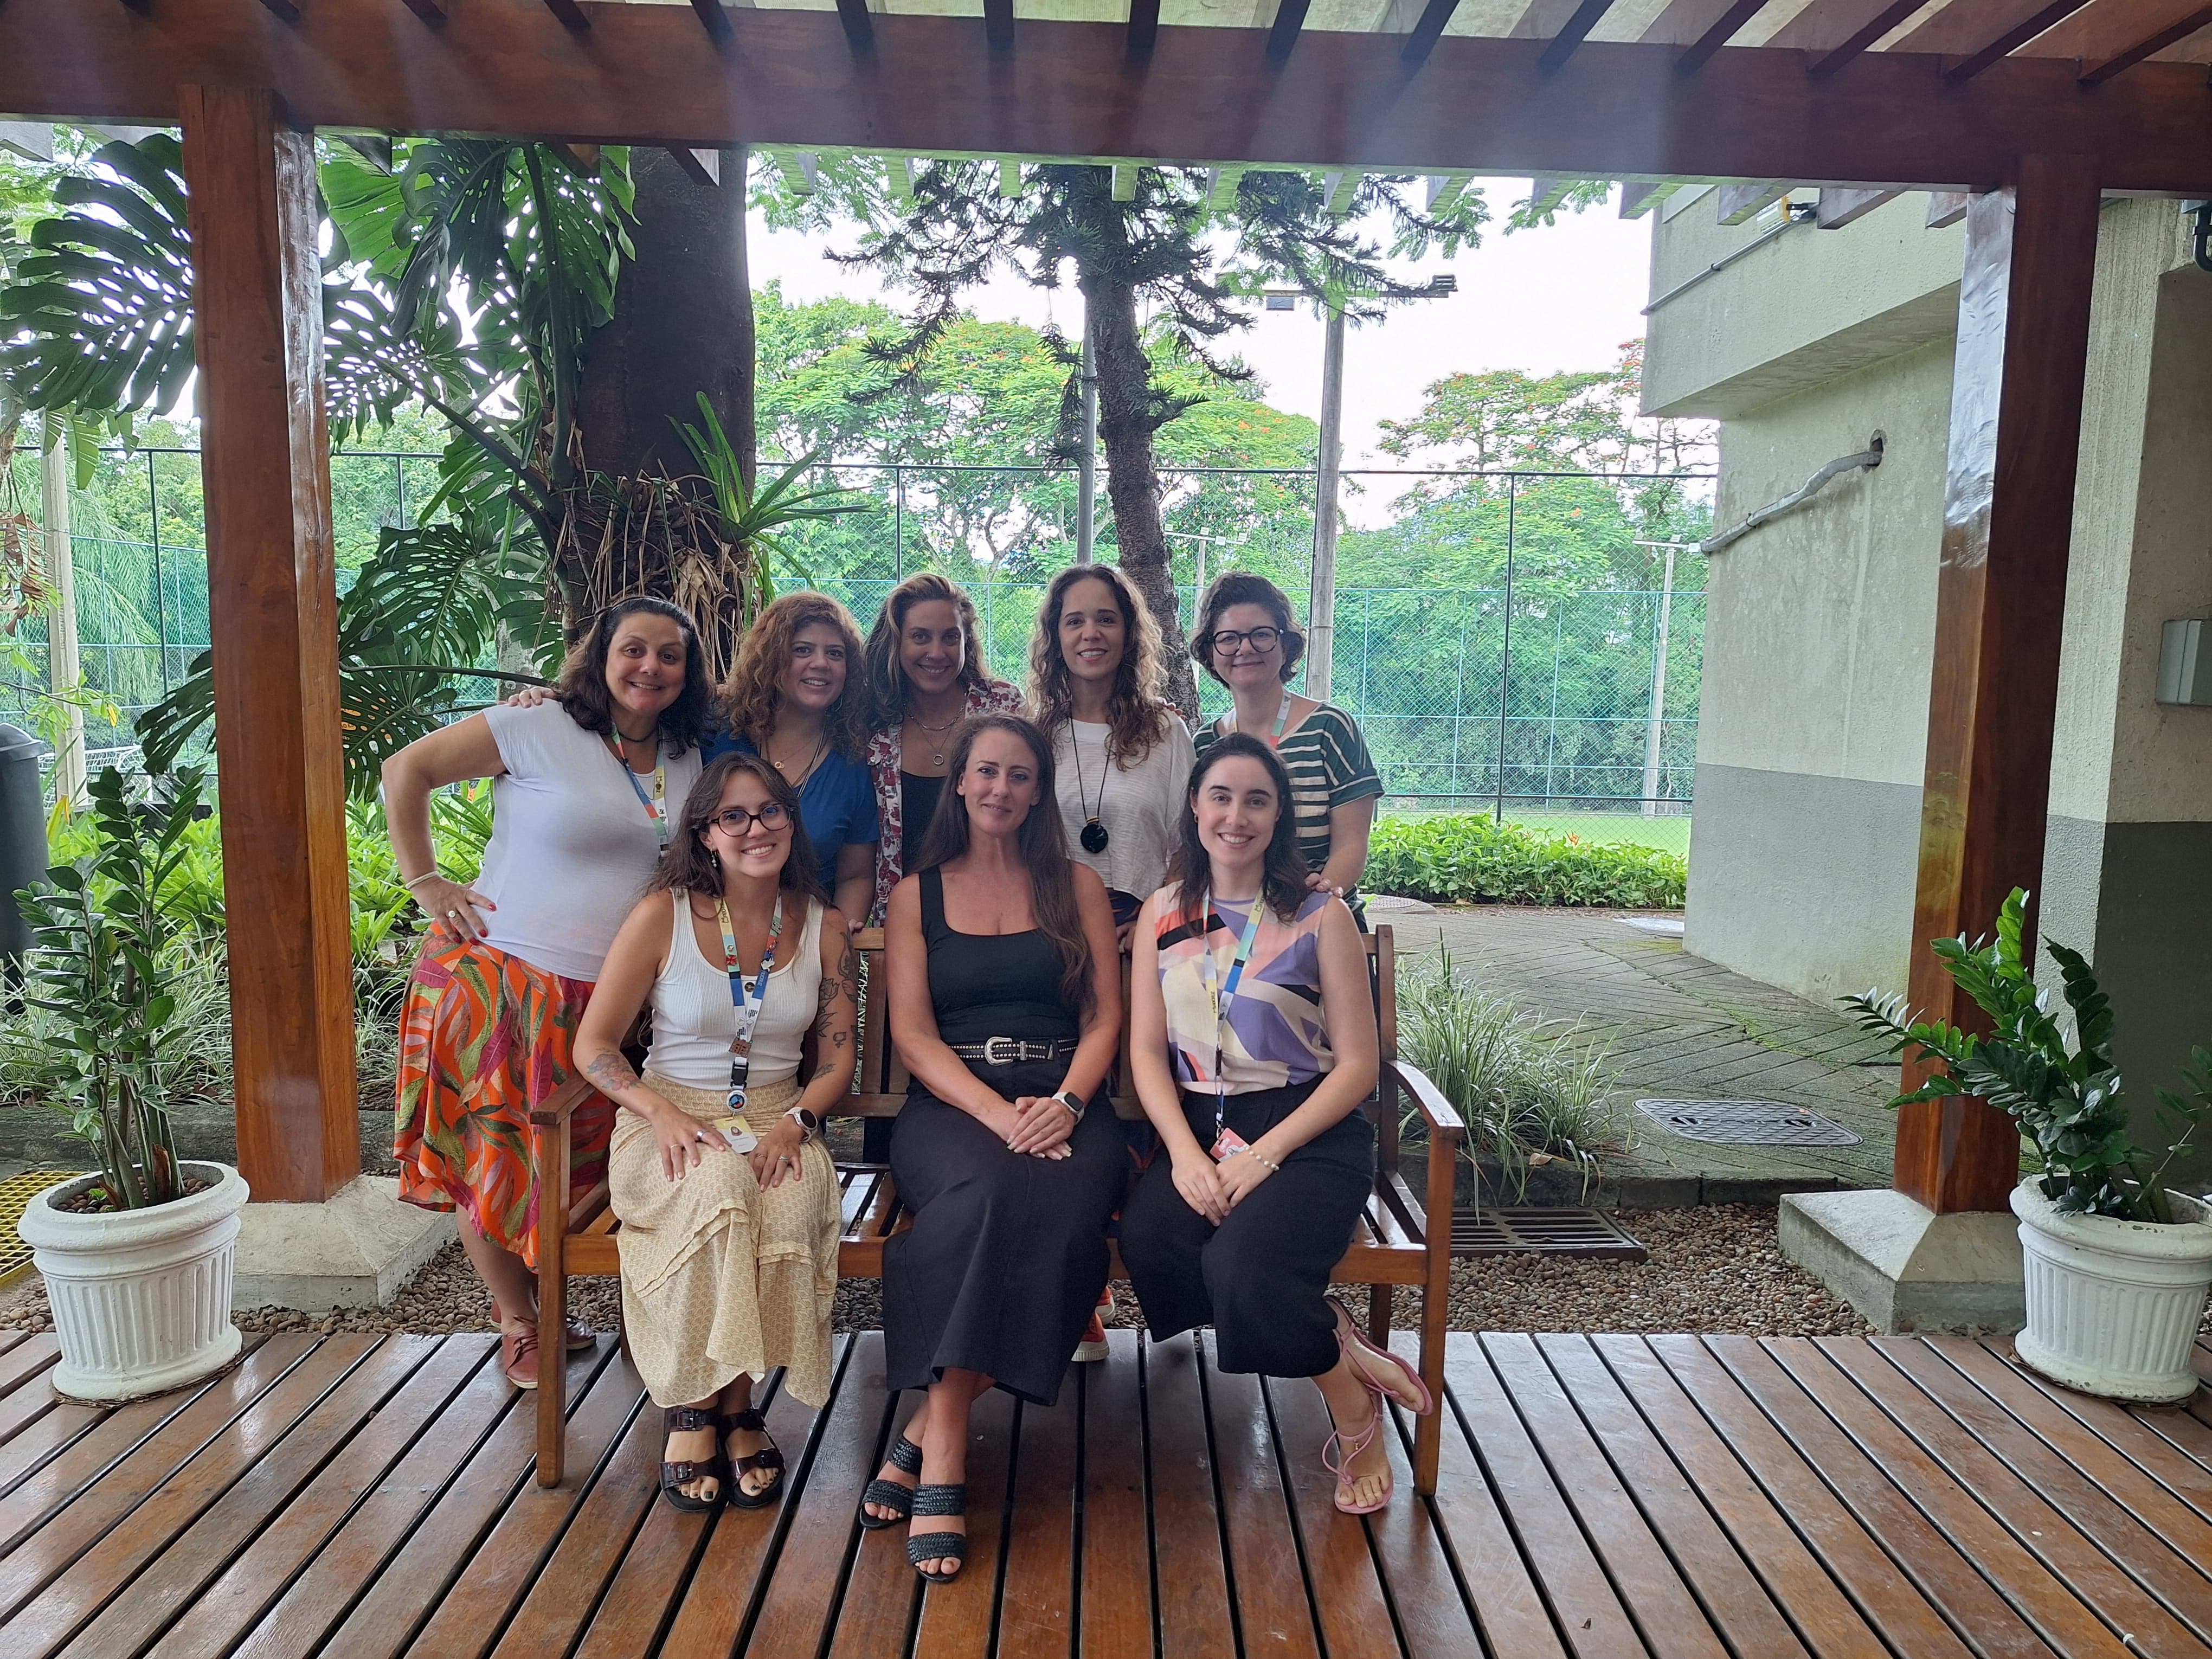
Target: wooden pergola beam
column 1723, row 29
column 1841, row 32
column 272, row 620
column 2015, row 433
column 1614, row 110
column 2118, row 42
column 1421, row 40
column 1572, row 33
column 2004, row 43
column 1283, row 33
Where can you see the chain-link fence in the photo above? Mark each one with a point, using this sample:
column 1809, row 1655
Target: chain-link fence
column 1525, row 643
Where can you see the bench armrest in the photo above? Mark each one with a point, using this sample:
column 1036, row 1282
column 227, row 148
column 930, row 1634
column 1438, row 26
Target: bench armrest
column 1439, row 1115
column 560, row 1103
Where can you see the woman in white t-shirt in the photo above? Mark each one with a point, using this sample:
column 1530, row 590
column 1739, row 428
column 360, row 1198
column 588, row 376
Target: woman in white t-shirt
column 727, row 1197
column 1121, row 757
column 580, row 792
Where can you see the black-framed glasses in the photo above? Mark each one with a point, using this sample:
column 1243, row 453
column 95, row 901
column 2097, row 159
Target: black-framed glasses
column 1262, row 639
column 735, row 820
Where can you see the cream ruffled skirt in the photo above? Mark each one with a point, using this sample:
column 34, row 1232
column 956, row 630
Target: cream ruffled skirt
column 718, row 1277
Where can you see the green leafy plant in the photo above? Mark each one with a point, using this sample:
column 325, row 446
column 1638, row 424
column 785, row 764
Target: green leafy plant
column 99, row 939
column 1470, row 858
column 2067, row 1099
column 1532, row 1090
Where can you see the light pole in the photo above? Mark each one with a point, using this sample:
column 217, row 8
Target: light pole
column 1653, row 730
column 1086, row 466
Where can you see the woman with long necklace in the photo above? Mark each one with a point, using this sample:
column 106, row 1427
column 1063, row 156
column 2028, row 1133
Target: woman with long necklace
column 1246, row 637
column 727, row 1199
column 925, row 676
column 1121, row 757
column 581, row 789
column 1252, row 1043
column 796, row 697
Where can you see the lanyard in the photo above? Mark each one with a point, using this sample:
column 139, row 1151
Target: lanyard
column 1225, row 998
column 1282, row 720
column 656, row 803
column 748, row 1003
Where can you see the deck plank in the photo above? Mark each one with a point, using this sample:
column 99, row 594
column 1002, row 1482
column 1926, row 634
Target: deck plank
column 464, row 1566
column 1947, row 1578
column 1590, row 1614
column 34, row 1444
column 1037, row 1608
column 1412, row 1556
column 1348, row 1593
column 206, row 1575
column 725, row 1585
column 24, row 1394
column 1274, row 1611
column 1117, row 1555
column 1672, row 1623
column 883, row 1593
column 956, row 1618
column 293, row 1617
column 1194, row 1617
column 150, row 1491
column 1801, row 1585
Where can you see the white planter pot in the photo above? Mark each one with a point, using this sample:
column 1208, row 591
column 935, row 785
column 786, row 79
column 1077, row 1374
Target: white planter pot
column 2112, row 1305
column 141, row 1297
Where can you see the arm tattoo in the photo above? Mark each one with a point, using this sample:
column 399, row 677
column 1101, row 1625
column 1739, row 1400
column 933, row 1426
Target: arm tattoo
column 611, row 1073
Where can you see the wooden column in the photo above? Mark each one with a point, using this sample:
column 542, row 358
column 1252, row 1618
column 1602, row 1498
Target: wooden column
column 2001, row 597
column 272, row 608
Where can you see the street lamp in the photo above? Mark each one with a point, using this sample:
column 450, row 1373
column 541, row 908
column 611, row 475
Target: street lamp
column 1321, row 621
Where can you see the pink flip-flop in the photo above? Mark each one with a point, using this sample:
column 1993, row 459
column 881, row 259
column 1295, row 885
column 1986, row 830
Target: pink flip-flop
column 1351, row 1445
column 1348, row 1332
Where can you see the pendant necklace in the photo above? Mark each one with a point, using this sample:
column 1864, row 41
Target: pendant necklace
column 936, row 756
column 1093, row 836
column 814, row 760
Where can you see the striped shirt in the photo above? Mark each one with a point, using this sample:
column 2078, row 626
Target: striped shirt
column 1329, row 765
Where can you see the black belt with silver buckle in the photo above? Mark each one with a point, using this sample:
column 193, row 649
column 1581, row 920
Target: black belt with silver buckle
column 1013, row 1051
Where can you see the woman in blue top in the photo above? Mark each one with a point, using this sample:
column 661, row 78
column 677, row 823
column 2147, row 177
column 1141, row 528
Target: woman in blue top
column 796, row 698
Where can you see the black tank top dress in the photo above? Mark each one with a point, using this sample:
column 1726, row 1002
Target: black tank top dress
column 1006, row 1255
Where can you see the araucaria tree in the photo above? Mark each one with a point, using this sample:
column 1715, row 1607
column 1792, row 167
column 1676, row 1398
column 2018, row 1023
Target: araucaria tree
column 1161, row 269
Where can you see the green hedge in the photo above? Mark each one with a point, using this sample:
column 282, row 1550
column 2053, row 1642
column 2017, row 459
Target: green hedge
column 1473, row 857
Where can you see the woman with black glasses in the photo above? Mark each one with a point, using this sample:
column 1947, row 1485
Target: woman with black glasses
column 1247, row 639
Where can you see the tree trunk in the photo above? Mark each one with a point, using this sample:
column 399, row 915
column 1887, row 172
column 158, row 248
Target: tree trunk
column 1125, row 429
column 683, row 325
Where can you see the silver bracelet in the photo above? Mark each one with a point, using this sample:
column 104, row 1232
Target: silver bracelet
column 428, row 875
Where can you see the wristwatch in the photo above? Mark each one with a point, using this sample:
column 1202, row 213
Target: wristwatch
column 810, row 1123
column 1073, row 1101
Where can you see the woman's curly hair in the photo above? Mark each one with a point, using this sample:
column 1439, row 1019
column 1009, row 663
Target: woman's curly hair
column 751, row 695
column 1137, row 715
column 583, row 690
column 886, row 679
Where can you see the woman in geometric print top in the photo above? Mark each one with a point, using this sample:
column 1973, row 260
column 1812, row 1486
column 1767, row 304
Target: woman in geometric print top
column 1252, row 1045
column 1246, row 637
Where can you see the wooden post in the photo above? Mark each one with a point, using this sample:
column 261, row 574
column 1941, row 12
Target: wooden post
column 272, row 609
column 2001, row 597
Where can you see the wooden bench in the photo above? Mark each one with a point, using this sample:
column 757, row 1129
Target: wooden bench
column 1393, row 1245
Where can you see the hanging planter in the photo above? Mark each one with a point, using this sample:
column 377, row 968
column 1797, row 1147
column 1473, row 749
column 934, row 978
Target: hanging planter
column 141, row 1298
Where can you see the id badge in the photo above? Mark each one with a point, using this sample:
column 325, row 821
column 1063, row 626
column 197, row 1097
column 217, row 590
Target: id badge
column 734, row 1130
column 1228, row 1143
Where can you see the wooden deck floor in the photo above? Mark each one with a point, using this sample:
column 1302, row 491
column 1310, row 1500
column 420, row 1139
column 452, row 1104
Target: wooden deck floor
column 1604, row 1497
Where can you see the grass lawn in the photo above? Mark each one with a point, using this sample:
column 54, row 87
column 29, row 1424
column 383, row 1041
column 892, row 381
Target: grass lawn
column 1670, row 835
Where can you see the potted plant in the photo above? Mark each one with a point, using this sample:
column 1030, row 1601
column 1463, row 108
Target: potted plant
column 136, row 1256
column 2117, row 1265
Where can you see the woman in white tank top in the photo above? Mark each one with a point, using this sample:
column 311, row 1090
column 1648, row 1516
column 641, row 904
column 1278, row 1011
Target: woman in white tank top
column 727, row 1197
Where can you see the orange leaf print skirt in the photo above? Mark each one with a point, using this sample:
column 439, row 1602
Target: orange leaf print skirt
column 483, row 1037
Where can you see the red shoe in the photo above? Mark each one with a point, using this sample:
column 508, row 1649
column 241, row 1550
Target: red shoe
column 518, row 1355
column 574, row 1337
column 1092, row 1348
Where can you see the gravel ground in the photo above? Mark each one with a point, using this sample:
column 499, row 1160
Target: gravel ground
column 1713, row 1269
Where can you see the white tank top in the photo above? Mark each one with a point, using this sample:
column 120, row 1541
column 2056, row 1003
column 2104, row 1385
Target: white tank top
column 693, row 1019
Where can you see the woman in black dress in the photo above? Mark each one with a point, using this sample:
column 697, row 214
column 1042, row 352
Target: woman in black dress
column 1007, row 1008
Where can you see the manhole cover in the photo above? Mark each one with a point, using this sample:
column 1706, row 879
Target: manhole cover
column 1544, row 1230
column 1746, row 1123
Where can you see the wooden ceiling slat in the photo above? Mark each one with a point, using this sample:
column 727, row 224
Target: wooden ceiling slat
column 430, row 11
column 1734, row 203
column 1283, row 33
column 1840, row 206
column 1717, row 34
column 572, row 17
column 1637, row 200
column 1423, row 38
column 1144, row 24
column 1573, row 33
column 702, row 166
column 283, row 8
column 1946, row 207
column 2096, row 72
column 2110, row 35
column 858, row 28
column 711, row 14
column 999, row 23
column 1841, row 32
column 1966, row 26
column 2018, row 34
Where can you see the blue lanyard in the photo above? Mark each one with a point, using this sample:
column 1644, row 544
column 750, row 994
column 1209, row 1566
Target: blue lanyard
column 655, row 804
column 748, row 1003
column 1225, row 997
column 1282, row 719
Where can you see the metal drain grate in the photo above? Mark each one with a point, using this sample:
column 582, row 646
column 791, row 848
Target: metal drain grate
column 15, row 1192
column 1746, row 1123
column 1545, row 1230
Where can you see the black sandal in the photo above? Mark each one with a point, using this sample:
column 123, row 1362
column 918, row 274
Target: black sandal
column 938, row 1545
column 768, row 1458
column 674, row 1477
column 906, row 1457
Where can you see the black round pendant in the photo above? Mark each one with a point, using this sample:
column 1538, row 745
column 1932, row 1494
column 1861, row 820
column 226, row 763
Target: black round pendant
column 1093, row 838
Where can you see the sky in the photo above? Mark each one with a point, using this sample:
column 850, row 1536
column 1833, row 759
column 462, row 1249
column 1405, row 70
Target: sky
column 1565, row 296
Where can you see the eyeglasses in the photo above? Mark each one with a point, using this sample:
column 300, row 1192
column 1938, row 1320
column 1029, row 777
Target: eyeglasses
column 1262, row 639
column 735, row 820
